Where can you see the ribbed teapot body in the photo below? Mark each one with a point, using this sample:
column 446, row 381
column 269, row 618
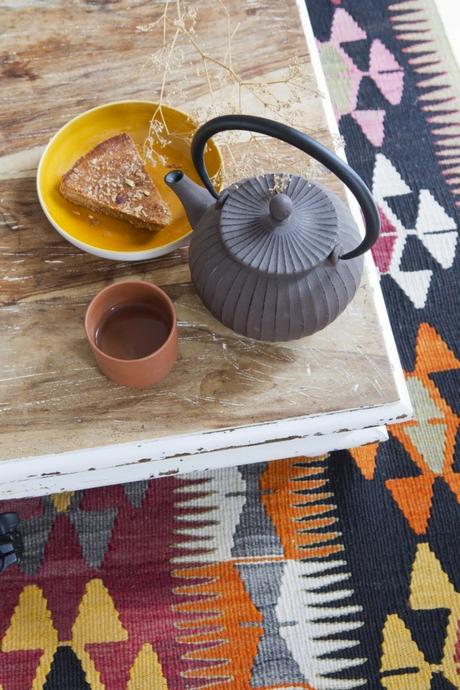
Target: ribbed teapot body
column 266, row 305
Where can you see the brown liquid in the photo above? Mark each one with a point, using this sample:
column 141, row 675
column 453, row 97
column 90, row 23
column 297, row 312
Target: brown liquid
column 132, row 331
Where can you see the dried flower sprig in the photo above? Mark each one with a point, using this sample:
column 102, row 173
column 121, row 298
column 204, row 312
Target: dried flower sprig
column 183, row 54
column 280, row 183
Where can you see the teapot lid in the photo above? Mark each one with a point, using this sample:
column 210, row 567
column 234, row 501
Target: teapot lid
column 278, row 224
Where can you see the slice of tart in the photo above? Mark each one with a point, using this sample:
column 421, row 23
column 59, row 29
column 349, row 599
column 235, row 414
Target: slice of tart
column 111, row 179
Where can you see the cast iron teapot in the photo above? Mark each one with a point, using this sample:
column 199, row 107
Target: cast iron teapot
column 274, row 264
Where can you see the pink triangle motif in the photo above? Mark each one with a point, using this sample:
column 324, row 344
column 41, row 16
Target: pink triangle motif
column 381, row 60
column 391, row 84
column 371, row 123
column 382, row 251
column 344, row 28
column 386, row 72
column 457, row 648
column 386, row 226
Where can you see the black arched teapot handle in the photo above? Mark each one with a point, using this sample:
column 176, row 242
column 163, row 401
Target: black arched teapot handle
column 303, row 142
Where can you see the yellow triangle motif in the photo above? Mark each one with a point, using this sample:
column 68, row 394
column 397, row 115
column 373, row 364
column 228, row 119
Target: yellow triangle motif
column 403, row 664
column 400, row 651
column 31, row 625
column 146, row 672
column 97, row 619
column 430, row 588
column 61, row 501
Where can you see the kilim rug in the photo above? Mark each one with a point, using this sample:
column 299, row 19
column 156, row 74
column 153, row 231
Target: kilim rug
column 321, row 574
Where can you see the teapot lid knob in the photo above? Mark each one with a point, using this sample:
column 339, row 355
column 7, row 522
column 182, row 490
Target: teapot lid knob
column 283, row 233
column 281, row 207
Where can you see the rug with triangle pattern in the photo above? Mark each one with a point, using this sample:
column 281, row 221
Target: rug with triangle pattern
column 316, row 574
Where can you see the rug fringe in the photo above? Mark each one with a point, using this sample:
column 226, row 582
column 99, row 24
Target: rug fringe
column 409, row 19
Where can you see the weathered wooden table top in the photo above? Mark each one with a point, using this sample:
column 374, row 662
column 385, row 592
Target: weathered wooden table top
column 59, row 59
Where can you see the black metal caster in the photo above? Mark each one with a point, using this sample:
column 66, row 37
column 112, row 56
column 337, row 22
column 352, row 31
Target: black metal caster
column 10, row 541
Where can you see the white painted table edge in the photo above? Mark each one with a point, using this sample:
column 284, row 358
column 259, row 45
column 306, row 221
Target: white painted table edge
column 312, row 435
column 18, row 482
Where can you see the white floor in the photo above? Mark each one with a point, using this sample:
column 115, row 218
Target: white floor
column 450, row 15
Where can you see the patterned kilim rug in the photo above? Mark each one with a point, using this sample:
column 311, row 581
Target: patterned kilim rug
column 321, row 574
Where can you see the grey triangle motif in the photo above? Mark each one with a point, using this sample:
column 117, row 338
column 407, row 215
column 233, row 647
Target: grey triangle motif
column 35, row 532
column 135, row 492
column 273, row 660
column 94, row 529
column 264, row 539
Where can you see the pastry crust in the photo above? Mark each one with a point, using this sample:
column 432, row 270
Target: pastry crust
column 111, row 179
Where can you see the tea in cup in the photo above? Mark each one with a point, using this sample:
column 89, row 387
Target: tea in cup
column 131, row 328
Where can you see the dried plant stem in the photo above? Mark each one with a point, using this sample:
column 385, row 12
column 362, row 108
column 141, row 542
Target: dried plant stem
column 180, row 34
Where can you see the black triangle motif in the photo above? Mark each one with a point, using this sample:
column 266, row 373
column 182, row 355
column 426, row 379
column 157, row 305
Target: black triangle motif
column 440, row 683
column 428, row 630
column 394, row 460
column 415, row 256
column 405, row 206
column 448, row 384
column 359, row 51
column 369, row 96
column 66, row 672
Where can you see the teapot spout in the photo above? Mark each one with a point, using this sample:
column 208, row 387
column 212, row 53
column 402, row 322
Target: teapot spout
column 195, row 199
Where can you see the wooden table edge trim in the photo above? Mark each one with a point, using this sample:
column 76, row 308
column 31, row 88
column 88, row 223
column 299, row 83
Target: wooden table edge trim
column 149, row 468
column 181, row 453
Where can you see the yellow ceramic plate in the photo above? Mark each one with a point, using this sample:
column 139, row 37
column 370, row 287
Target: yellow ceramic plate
column 109, row 237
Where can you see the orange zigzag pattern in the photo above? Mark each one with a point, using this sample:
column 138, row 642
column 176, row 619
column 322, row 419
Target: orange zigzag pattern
column 303, row 520
column 220, row 627
column 223, row 634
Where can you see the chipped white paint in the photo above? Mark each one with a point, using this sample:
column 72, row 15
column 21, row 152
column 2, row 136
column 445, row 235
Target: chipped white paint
column 89, row 468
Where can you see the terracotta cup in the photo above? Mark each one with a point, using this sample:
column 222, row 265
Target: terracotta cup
column 136, row 373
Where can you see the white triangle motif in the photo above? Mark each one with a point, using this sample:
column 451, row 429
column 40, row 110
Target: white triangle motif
column 430, row 442
column 386, row 179
column 442, row 247
column 424, row 406
column 415, row 284
column 431, row 216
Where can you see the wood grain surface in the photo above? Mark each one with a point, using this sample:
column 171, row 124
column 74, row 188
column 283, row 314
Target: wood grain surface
column 58, row 59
